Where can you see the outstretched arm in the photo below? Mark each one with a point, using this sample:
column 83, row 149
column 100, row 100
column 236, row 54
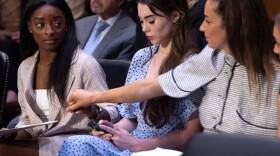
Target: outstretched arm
column 137, row 91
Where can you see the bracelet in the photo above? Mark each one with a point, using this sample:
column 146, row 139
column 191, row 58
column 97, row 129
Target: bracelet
column 98, row 114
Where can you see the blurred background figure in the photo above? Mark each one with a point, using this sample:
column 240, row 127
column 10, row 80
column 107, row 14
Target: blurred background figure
column 196, row 8
column 10, row 16
column 116, row 35
column 78, row 8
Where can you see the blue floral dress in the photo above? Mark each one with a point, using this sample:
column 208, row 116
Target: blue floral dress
column 84, row 145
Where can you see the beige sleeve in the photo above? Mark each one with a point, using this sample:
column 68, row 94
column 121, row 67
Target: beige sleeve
column 94, row 79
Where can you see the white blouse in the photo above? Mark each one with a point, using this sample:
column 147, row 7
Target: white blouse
column 42, row 104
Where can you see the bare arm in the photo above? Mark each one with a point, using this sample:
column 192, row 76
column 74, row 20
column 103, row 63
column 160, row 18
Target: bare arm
column 137, row 91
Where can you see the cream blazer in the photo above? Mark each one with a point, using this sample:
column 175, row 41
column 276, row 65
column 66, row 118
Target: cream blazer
column 85, row 73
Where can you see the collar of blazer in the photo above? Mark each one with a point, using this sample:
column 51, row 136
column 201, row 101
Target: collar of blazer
column 29, row 69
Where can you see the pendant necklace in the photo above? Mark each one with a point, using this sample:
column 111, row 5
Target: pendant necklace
column 44, row 65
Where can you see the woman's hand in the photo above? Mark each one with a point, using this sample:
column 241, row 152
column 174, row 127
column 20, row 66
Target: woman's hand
column 78, row 99
column 103, row 134
column 120, row 137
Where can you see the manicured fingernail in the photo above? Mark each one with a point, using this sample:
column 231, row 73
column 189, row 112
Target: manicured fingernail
column 72, row 102
column 102, row 132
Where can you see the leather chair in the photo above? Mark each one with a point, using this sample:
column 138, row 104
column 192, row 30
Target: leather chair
column 231, row 145
column 4, row 69
column 115, row 70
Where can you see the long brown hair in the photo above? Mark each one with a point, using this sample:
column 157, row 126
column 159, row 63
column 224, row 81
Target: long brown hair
column 157, row 111
column 249, row 36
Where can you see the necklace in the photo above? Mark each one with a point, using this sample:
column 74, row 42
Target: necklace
column 44, row 65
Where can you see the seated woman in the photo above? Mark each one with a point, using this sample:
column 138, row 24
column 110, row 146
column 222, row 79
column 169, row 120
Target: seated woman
column 160, row 122
column 54, row 65
column 238, row 68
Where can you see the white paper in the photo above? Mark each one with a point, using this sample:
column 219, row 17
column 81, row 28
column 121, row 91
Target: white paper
column 158, row 152
column 8, row 131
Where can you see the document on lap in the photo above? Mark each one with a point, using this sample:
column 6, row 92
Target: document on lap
column 158, row 151
column 8, row 131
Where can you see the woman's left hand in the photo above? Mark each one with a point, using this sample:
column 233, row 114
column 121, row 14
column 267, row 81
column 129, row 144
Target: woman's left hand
column 120, row 137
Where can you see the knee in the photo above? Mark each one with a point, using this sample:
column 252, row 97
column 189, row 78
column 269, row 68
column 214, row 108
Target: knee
column 75, row 140
column 81, row 145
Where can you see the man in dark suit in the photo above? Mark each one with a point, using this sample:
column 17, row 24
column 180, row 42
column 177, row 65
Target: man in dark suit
column 116, row 40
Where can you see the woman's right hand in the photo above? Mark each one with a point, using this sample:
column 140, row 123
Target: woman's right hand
column 79, row 98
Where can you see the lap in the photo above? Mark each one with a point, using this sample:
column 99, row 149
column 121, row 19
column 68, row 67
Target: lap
column 86, row 145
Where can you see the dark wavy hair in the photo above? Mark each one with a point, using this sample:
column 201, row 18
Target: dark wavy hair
column 59, row 70
column 158, row 111
column 249, row 36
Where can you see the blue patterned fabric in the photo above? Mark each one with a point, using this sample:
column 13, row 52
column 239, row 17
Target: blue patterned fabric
column 91, row 145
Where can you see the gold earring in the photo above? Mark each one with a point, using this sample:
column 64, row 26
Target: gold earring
column 31, row 32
